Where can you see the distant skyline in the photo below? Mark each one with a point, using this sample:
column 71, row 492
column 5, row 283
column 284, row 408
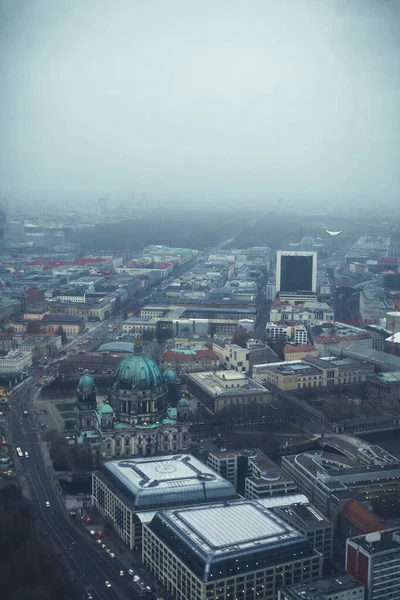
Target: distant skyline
column 200, row 101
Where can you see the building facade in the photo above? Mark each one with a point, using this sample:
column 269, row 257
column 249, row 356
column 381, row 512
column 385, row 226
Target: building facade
column 128, row 492
column 222, row 389
column 234, row 549
column 374, row 559
column 338, row 587
column 136, row 419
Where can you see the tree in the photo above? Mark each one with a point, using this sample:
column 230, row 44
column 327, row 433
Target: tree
column 61, row 332
column 240, row 337
column 212, row 328
column 34, row 327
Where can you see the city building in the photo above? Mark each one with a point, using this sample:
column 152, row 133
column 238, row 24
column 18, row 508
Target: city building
column 311, row 523
column 41, row 346
column 222, row 389
column 128, row 492
column 284, row 332
column 369, row 247
column 312, row 372
column 15, row 362
column 307, row 313
column 240, row 359
column 234, row 549
column 332, row 335
column 252, row 473
column 330, row 481
column 336, row 587
column 263, row 478
column 299, row 352
column 385, row 386
column 357, row 519
column 296, row 271
column 136, row 419
column 374, row 305
column 374, row 559
column 189, row 360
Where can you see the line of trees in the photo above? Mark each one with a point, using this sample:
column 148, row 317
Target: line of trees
column 29, row 567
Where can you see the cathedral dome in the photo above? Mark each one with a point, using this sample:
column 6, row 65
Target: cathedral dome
column 86, row 382
column 183, row 402
column 137, row 372
column 168, row 376
column 107, row 410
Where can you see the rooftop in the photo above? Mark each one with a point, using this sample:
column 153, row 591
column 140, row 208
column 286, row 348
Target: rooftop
column 294, row 368
column 378, row 542
column 289, row 348
column 229, row 383
column 190, row 354
column 388, row 377
column 302, row 515
column 319, row 589
column 163, row 481
column 123, row 347
column 213, row 536
column 338, row 472
column 365, row 520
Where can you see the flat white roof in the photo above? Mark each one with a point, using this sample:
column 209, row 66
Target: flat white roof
column 231, row 525
column 165, row 480
column 228, row 527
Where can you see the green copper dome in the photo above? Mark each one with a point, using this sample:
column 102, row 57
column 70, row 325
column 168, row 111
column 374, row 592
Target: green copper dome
column 107, row 410
column 137, row 372
column 86, row 382
column 169, row 375
column 183, row 402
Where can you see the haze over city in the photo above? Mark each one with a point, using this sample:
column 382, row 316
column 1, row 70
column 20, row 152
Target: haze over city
column 207, row 101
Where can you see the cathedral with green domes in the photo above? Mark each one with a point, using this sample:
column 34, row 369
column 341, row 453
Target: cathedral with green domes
column 142, row 416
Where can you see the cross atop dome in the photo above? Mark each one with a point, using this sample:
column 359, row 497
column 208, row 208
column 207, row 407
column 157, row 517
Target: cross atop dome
column 138, row 348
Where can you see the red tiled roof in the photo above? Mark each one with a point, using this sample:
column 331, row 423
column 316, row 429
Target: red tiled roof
column 300, row 348
column 362, row 518
column 199, row 354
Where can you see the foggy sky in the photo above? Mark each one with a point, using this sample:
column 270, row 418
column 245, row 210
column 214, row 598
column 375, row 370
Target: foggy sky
column 197, row 99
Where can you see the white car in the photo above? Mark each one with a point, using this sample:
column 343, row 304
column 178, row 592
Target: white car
column 47, row 504
column 131, row 572
column 121, row 573
column 108, row 584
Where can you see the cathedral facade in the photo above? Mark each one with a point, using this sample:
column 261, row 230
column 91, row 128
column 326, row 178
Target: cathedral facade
column 139, row 416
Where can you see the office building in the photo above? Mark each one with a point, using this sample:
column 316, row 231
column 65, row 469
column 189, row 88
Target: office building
column 330, row 480
column 128, row 492
column 228, row 550
column 223, row 389
column 374, row 559
column 337, row 587
column 284, row 332
column 312, row 372
column 237, row 358
column 311, row 523
column 296, row 272
column 252, row 473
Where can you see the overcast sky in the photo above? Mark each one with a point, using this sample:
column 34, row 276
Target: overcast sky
column 200, row 98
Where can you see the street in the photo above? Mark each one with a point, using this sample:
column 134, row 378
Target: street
column 88, row 564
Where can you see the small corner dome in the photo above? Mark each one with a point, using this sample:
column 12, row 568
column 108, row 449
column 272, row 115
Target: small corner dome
column 183, row 402
column 168, row 376
column 107, row 410
column 86, row 382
